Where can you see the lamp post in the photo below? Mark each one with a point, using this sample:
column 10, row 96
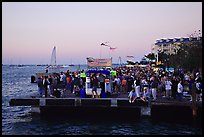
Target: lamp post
column 157, row 56
column 168, row 63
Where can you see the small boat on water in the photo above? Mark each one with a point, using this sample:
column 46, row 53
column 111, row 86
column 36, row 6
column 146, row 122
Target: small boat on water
column 20, row 65
column 71, row 65
column 63, row 66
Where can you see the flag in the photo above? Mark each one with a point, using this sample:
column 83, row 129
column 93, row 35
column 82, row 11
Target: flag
column 112, row 48
column 104, row 44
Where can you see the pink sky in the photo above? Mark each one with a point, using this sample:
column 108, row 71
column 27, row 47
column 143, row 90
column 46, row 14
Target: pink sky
column 31, row 30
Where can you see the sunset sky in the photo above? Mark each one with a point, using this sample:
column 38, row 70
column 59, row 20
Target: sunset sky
column 31, row 30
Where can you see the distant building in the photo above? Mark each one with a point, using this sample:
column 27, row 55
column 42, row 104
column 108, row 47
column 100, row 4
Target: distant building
column 171, row 45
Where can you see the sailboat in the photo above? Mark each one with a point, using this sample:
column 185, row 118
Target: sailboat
column 53, row 64
column 50, row 69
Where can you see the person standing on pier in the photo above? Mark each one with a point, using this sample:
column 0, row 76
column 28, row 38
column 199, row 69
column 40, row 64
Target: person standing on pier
column 83, row 78
column 118, row 84
column 174, row 82
column 76, row 83
column 40, row 86
column 137, row 86
column 168, row 85
column 62, row 79
column 130, row 82
column 191, row 81
column 153, row 86
column 45, row 86
column 124, row 85
column 68, row 81
column 55, row 83
column 180, row 90
column 94, row 81
column 50, row 85
column 101, row 79
column 198, row 90
column 64, row 82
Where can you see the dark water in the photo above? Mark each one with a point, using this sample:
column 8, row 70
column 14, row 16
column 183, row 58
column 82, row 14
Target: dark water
column 20, row 120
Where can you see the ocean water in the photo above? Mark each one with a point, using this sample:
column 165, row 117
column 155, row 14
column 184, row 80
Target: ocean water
column 19, row 120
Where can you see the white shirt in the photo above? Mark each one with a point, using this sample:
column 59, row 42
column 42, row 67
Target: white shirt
column 198, row 85
column 61, row 77
column 144, row 82
column 168, row 85
column 180, row 88
column 118, row 81
column 186, row 77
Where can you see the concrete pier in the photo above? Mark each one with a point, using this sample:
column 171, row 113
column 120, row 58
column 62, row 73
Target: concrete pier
column 94, row 108
column 175, row 111
column 113, row 108
column 86, row 102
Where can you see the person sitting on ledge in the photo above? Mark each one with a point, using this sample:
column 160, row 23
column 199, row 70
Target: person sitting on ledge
column 146, row 95
column 56, row 93
column 132, row 95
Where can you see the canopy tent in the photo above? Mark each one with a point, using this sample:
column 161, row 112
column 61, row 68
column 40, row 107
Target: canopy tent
column 106, row 72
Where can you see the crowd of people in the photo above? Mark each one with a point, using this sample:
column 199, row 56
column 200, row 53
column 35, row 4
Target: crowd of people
column 137, row 82
column 145, row 83
column 67, row 81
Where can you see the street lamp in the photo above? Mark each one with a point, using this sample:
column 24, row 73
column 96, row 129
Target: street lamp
column 168, row 63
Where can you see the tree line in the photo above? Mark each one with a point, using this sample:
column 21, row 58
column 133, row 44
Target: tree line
column 188, row 56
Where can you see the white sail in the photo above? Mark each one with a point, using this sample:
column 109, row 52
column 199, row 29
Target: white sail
column 51, row 68
column 53, row 57
column 53, row 64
